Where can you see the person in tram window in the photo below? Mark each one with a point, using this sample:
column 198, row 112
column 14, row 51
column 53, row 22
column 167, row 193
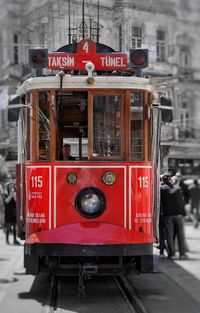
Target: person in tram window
column 65, row 155
column 172, row 203
column 10, row 213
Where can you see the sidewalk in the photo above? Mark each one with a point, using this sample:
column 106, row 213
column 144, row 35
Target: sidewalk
column 11, row 259
column 10, row 256
column 185, row 273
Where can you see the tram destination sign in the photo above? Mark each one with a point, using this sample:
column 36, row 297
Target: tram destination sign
column 86, row 52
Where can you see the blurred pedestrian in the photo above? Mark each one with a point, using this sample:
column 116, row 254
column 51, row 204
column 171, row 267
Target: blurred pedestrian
column 184, row 187
column 175, row 182
column 1, row 207
column 162, row 230
column 10, row 213
column 194, row 192
column 181, row 183
column 172, row 205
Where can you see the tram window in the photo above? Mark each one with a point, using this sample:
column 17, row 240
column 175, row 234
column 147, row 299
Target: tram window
column 44, row 126
column 73, row 123
column 137, row 151
column 107, row 112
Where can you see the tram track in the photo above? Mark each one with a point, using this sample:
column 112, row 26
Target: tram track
column 64, row 295
column 130, row 294
column 53, row 296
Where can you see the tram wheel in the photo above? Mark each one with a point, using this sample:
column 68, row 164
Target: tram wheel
column 144, row 263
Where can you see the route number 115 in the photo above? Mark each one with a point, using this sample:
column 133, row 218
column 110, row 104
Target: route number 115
column 143, row 181
column 36, row 181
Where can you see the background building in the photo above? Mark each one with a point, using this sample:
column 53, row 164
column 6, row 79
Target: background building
column 169, row 29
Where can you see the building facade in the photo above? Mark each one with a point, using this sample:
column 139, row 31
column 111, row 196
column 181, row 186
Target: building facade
column 169, row 29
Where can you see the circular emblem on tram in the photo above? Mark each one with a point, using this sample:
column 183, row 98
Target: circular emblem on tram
column 71, row 178
column 109, row 178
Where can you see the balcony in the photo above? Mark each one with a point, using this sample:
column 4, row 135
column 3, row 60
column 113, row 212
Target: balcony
column 173, row 135
column 160, row 69
column 185, row 73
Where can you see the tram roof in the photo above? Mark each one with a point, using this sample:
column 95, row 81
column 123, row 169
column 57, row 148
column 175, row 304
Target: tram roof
column 80, row 82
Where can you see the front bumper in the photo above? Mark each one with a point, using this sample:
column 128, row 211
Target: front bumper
column 89, row 239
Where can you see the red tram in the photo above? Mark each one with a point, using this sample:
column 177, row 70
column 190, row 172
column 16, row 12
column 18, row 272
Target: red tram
column 99, row 210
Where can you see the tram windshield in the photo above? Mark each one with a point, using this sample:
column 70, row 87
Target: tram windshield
column 72, row 123
column 97, row 124
column 107, row 130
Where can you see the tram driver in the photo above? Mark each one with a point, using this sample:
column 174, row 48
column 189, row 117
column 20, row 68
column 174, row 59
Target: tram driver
column 65, row 155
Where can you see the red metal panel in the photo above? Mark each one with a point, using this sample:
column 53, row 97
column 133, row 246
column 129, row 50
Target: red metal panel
column 88, row 176
column 140, row 206
column 52, row 203
column 91, row 233
column 38, row 201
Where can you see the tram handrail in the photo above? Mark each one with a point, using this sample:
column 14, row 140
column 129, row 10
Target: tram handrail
column 20, row 105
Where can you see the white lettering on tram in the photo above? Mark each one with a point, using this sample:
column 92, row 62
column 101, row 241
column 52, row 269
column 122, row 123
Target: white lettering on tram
column 61, row 61
column 110, row 61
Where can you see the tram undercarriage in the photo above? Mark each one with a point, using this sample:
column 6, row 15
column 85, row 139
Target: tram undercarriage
column 90, row 265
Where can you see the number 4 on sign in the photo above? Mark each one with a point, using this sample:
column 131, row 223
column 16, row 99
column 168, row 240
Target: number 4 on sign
column 86, row 47
column 143, row 181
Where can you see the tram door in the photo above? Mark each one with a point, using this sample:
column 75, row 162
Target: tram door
column 72, row 123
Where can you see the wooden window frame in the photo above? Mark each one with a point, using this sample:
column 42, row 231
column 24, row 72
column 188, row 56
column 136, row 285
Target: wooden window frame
column 127, row 115
column 132, row 91
column 28, row 122
column 147, row 124
column 52, row 108
column 33, row 132
column 34, row 149
column 91, row 94
column 150, row 128
column 35, row 143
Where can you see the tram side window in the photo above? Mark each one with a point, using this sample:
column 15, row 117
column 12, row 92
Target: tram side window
column 107, row 112
column 137, row 151
column 44, row 126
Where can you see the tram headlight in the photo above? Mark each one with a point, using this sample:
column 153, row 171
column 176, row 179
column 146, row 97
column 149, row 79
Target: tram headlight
column 90, row 202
